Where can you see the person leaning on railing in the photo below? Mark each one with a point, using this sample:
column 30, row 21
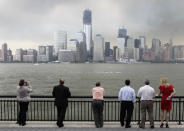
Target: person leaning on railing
column 146, row 94
column 97, row 104
column 127, row 98
column 167, row 91
column 23, row 98
column 61, row 93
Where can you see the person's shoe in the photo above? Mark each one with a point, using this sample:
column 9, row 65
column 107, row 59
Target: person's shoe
column 98, row 126
column 152, row 127
column 101, row 126
column 128, row 126
column 122, row 124
column 167, row 126
column 141, row 127
column 62, row 125
column 161, row 126
column 23, row 124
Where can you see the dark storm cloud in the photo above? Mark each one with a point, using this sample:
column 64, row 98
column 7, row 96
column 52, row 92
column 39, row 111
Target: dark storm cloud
column 157, row 18
column 36, row 20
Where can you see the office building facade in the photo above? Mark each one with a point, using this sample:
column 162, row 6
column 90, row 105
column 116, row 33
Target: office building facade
column 4, row 52
column 60, row 41
column 98, row 49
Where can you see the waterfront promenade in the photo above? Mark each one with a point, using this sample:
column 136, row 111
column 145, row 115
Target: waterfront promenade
column 81, row 126
column 79, row 116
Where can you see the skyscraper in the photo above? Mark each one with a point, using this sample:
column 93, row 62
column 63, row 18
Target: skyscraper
column 60, row 40
column 42, row 54
column 18, row 55
column 130, row 48
column 122, row 43
column 130, row 42
column 114, row 51
column 49, row 52
column 41, row 50
column 98, row 49
column 74, row 46
column 9, row 56
column 156, row 49
column 142, row 41
column 137, row 51
column 45, row 53
column 122, row 33
column 81, row 37
column 4, row 52
column 156, row 45
column 87, row 28
column 30, row 56
column 107, row 48
column 121, row 49
column 137, row 43
column 167, row 52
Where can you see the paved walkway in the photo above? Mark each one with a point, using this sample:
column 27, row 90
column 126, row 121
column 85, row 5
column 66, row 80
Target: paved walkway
column 81, row 126
column 82, row 129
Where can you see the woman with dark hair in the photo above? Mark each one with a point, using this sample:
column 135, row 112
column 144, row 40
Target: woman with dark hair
column 23, row 98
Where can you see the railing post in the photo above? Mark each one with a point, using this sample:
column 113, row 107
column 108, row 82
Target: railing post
column 17, row 111
column 139, row 111
column 179, row 123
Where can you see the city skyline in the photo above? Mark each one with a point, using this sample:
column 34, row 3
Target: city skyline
column 27, row 24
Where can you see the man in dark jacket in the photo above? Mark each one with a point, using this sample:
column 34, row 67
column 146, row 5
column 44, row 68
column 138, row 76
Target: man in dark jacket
column 61, row 94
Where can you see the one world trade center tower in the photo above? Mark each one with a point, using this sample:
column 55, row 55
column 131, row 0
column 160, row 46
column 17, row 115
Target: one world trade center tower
column 87, row 27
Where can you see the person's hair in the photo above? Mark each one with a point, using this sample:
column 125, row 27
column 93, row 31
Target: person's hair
column 147, row 82
column 98, row 84
column 127, row 82
column 25, row 83
column 61, row 81
column 21, row 82
column 164, row 81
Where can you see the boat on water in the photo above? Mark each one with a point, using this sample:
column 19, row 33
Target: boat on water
column 55, row 62
column 128, row 61
column 36, row 64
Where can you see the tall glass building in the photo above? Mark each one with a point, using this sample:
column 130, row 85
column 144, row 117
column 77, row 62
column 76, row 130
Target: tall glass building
column 60, row 40
column 121, row 48
column 98, row 49
column 142, row 41
column 4, row 52
column 87, row 28
column 122, row 33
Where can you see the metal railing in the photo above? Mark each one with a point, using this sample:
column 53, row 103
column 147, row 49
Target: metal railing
column 41, row 108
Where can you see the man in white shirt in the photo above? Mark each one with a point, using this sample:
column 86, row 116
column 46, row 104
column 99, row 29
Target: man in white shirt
column 146, row 94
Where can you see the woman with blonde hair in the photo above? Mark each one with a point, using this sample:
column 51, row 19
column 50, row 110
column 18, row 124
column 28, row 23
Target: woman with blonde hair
column 167, row 91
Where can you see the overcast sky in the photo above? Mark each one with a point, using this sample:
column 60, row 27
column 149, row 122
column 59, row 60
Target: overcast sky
column 29, row 23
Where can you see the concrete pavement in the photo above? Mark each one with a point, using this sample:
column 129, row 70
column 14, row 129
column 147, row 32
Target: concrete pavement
column 82, row 126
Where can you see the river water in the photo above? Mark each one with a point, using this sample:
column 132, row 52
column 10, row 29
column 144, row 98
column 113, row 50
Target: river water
column 81, row 78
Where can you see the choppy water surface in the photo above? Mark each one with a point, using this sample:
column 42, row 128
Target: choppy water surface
column 81, row 78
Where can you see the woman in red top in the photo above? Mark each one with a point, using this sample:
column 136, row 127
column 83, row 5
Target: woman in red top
column 167, row 92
